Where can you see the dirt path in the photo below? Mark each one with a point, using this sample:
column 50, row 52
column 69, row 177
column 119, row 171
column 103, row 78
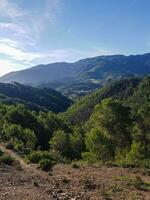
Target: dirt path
column 27, row 167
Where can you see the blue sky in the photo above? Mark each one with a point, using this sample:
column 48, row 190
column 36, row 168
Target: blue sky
column 44, row 31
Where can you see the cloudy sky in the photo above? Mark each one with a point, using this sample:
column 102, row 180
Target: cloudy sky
column 44, row 31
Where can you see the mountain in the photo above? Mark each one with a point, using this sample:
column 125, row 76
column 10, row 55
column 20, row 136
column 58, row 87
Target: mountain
column 33, row 98
column 41, row 73
column 83, row 76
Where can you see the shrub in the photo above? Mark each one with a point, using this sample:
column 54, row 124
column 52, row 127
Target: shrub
column 20, row 137
column 45, row 164
column 87, row 183
column 37, row 156
column 139, row 184
column 1, row 153
column 89, row 157
column 10, row 146
column 75, row 165
column 57, row 157
column 132, row 157
column 6, row 159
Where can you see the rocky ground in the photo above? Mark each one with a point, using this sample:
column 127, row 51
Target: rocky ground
column 23, row 181
column 66, row 182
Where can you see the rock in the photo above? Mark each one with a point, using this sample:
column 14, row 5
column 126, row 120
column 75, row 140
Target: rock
column 6, row 193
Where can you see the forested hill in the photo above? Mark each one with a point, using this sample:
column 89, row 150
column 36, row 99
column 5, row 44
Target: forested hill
column 109, row 126
column 33, row 98
column 81, row 110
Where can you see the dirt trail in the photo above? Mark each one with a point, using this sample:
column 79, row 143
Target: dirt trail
column 27, row 167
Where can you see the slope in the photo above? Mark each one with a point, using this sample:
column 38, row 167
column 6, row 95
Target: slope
column 81, row 110
column 33, row 98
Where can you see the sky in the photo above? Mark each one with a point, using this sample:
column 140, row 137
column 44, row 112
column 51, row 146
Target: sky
column 36, row 32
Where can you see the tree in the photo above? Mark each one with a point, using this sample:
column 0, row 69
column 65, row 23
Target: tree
column 77, row 143
column 99, row 145
column 141, row 132
column 48, row 123
column 114, row 122
column 60, row 142
column 19, row 137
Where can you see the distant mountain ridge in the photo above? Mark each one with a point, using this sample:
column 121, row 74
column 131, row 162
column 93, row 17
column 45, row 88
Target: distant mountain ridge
column 92, row 72
column 33, row 98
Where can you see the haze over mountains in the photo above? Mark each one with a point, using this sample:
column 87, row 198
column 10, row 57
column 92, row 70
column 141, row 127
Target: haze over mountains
column 84, row 75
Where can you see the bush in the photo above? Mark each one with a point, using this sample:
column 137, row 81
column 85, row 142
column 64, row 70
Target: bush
column 6, row 159
column 45, row 164
column 10, row 146
column 1, row 153
column 20, row 137
column 57, row 158
column 75, row 165
column 37, row 156
column 89, row 157
column 139, row 184
column 132, row 158
column 87, row 182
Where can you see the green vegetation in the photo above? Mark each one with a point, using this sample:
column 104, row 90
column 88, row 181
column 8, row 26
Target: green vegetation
column 45, row 164
column 36, row 99
column 111, row 125
column 82, row 109
column 6, row 159
column 140, row 184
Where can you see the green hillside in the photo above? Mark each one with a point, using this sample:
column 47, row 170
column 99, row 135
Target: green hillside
column 33, row 98
column 109, row 126
column 81, row 110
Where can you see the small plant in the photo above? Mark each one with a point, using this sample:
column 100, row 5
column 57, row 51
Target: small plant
column 146, row 172
column 106, row 193
column 116, row 189
column 87, row 183
column 75, row 165
column 45, row 164
column 6, row 159
column 139, row 184
column 1, row 153
column 36, row 157
column 65, row 181
column 10, row 146
column 35, row 183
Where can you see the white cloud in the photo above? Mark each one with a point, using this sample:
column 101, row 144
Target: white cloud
column 29, row 23
column 16, row 53
column 39, row 20
column 20, row 47
column 10, row 9
column 7, row 66
column 12, row 27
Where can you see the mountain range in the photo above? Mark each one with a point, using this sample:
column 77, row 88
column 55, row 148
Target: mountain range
column 83, row 76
